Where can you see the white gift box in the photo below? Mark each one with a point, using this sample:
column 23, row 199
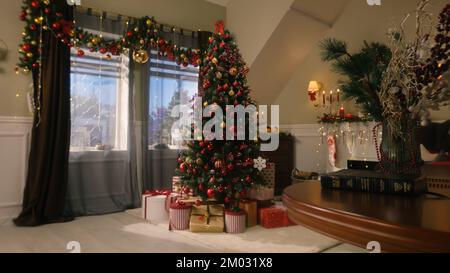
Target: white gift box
column 155, row 207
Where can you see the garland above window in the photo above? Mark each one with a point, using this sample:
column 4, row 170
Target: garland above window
column 141, row 34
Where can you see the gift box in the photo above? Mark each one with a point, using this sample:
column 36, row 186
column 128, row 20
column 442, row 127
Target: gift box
column 262, row 193
column 235, row 222
column 207, row 218
column 155, row 205
column 250, row 207
column 273, row 217
column 180, row 214
column 176, row 185
column 268, row 175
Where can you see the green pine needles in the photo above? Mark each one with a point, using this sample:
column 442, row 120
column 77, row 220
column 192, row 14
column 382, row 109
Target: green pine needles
column 363, row 72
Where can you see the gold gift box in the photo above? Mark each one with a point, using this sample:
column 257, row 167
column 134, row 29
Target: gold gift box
column 207, row 219
column 251, row 209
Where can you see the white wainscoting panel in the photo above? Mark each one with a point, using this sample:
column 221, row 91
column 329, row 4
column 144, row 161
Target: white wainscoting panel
column 312, row 152
column 309, row 156
column 15, row 135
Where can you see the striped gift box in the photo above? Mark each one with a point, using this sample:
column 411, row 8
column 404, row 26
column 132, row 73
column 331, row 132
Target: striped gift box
column 179, row 216
column 235, row 222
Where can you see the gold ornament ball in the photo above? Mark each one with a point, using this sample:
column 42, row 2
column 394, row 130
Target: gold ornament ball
column 148, row 22
column 219, row 75
column 33, row 42
column 30, row 55
column 46, row 2
column 39, row 20
column 205, row 103
column 94, row 41
column 231, row 93
column 233, row 71
column 140, row 56
column 142, row 41
column 199, row 161
column 215, row 61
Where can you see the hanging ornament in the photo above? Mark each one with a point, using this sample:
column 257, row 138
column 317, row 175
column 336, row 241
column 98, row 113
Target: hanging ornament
column 233, row 71
column 141, row 56
column 259, row 163
column 332, row 155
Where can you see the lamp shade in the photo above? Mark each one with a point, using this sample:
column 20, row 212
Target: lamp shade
column 313, row 86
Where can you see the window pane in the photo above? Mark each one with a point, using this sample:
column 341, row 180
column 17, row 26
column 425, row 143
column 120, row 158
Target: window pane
column 170, row 86
column 95, row 102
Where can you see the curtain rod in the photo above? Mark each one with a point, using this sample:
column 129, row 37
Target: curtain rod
column 119, row 17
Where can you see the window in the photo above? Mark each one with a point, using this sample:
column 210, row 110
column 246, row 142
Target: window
column 99, row 102
column 170, row 85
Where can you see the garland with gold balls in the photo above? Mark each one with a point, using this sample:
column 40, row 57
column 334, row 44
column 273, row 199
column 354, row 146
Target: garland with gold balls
column 141, row 34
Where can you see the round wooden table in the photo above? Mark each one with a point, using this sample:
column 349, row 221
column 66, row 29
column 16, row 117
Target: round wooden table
column 398, row 223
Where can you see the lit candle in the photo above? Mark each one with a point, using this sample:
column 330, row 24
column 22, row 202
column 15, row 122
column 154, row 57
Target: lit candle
column 342, row 112
column 331, row 97
column 338, row 97
column 323, row 96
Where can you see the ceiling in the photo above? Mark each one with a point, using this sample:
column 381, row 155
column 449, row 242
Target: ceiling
column 325, row 11
column 223, row 3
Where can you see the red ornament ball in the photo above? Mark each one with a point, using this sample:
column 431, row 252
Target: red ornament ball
column 183, row 167
column 201, row 187
column 227, row 200
column 56, row 25
column 80, row 53
column 186, row 190
column 211, row 193
column 26, row 47
column 35, row 4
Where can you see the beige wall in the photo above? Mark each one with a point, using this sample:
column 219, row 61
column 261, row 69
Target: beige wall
column 192, row 14
column 253, row 22
column 359, row 22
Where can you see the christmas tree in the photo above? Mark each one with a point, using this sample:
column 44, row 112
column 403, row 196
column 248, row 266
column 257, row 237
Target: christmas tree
column 221, row 169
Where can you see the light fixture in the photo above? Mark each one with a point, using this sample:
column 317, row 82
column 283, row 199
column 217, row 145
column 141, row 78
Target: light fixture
column 313, row 89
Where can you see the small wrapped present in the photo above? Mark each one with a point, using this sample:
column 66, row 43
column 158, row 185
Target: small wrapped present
column 273, row 217
column 251, row 210
column 176, row 185
column 268, row 175
column 262, row 193
column 235, row 222
column 207, row 218
column 155, row 205
column 180, row 214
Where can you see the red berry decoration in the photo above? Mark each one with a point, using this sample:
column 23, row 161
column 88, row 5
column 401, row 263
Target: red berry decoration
column 201, row 187
column 102, row 50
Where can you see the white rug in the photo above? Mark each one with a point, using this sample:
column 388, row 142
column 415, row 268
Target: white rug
column 294, row 239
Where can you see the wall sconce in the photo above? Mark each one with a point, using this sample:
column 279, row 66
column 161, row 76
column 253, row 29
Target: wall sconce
column 313, row 90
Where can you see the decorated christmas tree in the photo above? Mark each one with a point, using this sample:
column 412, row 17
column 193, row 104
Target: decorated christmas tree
column 221, row 169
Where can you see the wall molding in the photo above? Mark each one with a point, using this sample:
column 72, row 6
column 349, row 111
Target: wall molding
column 15, row 137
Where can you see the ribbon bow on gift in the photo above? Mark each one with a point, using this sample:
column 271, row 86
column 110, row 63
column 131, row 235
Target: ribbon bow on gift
column 166, row 192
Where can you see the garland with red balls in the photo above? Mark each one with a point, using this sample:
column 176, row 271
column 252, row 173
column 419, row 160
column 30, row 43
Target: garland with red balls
column 46, row 15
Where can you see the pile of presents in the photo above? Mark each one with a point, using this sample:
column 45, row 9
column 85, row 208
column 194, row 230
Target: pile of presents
column 187, row 212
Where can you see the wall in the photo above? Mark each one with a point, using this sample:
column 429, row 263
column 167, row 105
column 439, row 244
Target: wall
column 359, row 22
column 192, row 14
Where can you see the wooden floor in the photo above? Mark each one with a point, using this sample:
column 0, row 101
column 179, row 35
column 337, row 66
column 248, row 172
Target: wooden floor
column 125, row 232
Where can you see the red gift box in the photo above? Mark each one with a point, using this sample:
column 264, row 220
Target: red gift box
column 274, row 217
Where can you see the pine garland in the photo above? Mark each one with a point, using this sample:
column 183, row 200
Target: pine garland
column 46, row 15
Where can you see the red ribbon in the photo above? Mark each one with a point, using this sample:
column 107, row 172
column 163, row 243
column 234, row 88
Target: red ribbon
column 220, row 27
column 166, row 192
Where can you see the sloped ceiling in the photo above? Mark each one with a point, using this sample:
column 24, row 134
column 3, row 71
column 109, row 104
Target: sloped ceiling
column 299, row 31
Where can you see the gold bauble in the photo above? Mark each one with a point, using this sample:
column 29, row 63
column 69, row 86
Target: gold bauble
column 142, row 41
column 140, row 56
column 233, row 71
column 215, row 61
column 39, row 20
column 199, row 161
column 218, row 75
column 94, row 41
column 30, row 55
column 46, row 2
column 231, row 93
column 148, row 22
column 205, row 103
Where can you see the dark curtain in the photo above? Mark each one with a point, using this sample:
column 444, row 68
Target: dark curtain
column 107, row 181
column 46, row 185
